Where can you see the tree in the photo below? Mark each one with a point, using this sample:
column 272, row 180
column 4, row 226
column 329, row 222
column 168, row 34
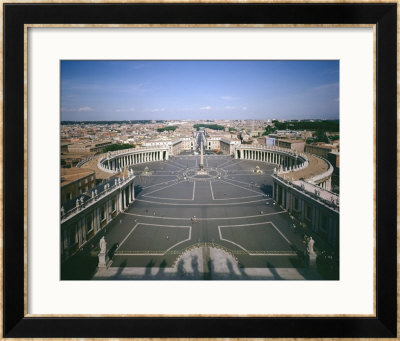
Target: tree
column 114, row 147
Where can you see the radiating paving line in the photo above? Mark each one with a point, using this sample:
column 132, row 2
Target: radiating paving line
column 161, row 183
column 288, row 253
column 144, row 195
column 156, row 253
column 242, row 187
column 161, row 198
column 177, row 165
column 237, row 198
column 205, row 219
column 213, row 204
column 234, row 163
column 223, row 163
column 194, row 189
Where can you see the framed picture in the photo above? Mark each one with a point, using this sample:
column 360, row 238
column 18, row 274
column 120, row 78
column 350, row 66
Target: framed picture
column 172, row 170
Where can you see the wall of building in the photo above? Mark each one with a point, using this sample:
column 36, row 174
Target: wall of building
column 322, row 151
column 270, row 141
column 86, row 219
column 293, row 145
column 77, row 187
column 319, row 216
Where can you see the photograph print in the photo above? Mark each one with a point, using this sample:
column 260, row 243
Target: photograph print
column 199, row 170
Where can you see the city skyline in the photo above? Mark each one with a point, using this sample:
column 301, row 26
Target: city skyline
column 192, row 90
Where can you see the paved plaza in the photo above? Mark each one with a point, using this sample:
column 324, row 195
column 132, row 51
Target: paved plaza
column 185, row 225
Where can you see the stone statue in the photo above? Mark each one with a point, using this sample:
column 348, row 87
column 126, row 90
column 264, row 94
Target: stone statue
column 310, row 246
column 103, row 245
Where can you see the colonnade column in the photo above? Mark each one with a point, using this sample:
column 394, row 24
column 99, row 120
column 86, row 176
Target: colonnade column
column 120, row 200
column 284, row 198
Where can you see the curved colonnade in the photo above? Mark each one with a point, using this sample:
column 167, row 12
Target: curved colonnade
column 302, row 186
column 287, row 159
column 290, row 162
column 114, row 162
column 295, row 188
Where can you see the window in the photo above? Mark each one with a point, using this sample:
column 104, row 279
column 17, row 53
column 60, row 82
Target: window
column 92, row 178
column 89, row 223
column 323, row 223
column 86, row 181
column 113, row 206
column 79, row 184
column 296, row 204
column 102, row 213
column 72, row 236
column 309, row 212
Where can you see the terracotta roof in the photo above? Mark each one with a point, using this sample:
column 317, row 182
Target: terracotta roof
column 291, row 141
column 92, row 165
column 323, row 146
column 315, row 166
column 69, row 175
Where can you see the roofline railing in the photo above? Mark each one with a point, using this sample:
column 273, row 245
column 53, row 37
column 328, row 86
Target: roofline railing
column 65, row 215
column 334, row 203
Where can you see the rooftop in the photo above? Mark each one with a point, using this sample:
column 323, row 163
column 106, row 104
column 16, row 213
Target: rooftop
column 323, row 146
column 92, row 165
column 315, row 166
column 69, row 175
column 291, row 141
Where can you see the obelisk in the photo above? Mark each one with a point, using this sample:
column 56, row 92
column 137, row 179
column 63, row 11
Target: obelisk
column 201, row 155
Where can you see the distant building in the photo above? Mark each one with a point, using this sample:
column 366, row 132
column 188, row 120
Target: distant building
column 320, row 150
column 213, row 143
column 175, row 146
column 270, row 141
column 88, row 147
column 188, row 143
column 261, row 141
column 75, row 181
column 228, row 146
column 297, row 145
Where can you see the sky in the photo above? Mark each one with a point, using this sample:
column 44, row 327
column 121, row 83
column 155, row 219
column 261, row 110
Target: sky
column 195, row 90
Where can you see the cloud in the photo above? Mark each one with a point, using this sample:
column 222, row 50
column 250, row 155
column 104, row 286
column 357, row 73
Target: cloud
column 158, row 110
column 123, row 110
column 244, row 108
column 67, row 109
column 75, row 110
column 85, row 109
column 206, row 108
column 229, row 98
column 229, row 107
